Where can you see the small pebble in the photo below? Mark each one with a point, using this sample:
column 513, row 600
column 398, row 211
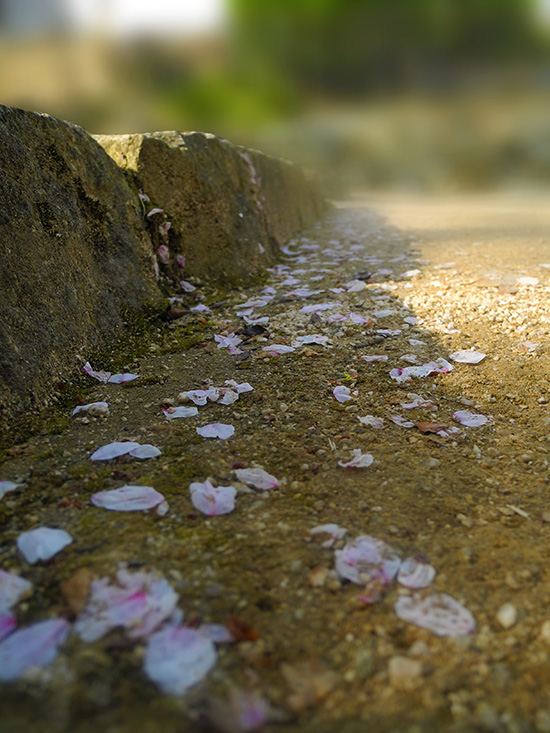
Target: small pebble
column 507, row 615
column 404, row 673
column 545, row 632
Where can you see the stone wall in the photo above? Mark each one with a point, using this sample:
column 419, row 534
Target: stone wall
column 77, row 252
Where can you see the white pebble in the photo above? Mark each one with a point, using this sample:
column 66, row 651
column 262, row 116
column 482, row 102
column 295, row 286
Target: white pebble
column 507, row 615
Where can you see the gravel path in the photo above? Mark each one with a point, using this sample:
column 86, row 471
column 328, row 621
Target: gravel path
column 414, row 281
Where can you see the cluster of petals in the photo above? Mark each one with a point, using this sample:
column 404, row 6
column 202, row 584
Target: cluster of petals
column 439, row 366
column 132, row 448
column 107, row 377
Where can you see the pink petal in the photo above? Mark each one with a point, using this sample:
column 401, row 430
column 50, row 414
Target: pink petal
column 257, row 477
column 113, row 450
column 128, row 499
column 100, row 376
column 42, row 543
column 178, row 658
column 212, row 500
column 438, row 612
column 33, row 646
column 8, row 623
column 138, row 602
column 216, row 430
column 12, row 589
column 164, row 253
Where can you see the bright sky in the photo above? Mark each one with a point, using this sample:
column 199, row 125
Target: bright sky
column 129, row 17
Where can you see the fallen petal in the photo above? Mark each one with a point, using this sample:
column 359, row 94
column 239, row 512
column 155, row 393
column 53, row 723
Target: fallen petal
column 122, row 378
column 277, row 349
column 310, row 339
column 128, row 499
column 42, row 543
column 198, row 396
column 342, row 394
column 33, row 646
column 334, row 532
column 257, row 477
column 100, row 376
column 415, row 574
column 6, row 486
column 175, row 412
column 467, row 357
column 216, row 430
column 367, row 559
column 359, row 460
column 212, row 500
column 439, row 612
column 178, row 658
column 8, row 623
column 374, row 357
column 471, row 419
column 113, row 450
column 12, row 589
column 239, row 388
column 145, row 451
column 217, row 633
column 371, row 421
column 398, row 420
column 95, row 408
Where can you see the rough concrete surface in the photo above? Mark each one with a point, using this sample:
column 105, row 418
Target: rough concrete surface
column 230, row 208
column 75, row 254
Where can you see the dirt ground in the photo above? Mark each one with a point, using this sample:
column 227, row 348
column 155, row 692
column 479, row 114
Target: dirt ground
column 475, row 274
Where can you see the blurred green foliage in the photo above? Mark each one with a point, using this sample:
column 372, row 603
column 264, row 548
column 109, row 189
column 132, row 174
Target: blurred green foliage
column 349, row 47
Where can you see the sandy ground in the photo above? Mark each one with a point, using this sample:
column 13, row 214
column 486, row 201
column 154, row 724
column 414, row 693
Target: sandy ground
column 468, row 273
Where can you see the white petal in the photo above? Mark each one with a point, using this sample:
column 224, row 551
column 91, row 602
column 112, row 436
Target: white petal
column 145, row 451
column 359, row 460
column 95, row 408
column 42, row 543
column 277, row 349
column 471, row 419
column 6, row 486
column 342, row 394
column 367, row 558
column 467, row 357
column 216, row 430
column 415, row 574
column 212, row 500
column 257, row 477
column 438, row 612
column 113, row 450
column 128, row 499
column 33, row 646
column 12, row 589
column 122, row 378
column 178, row 658
column 174, row 412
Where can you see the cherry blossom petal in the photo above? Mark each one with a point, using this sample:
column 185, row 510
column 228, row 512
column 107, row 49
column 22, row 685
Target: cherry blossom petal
column 138, row 602
column 212, row 500
column 415, row 573
column 334, row 532
column 342, row 394
column 257, row 477
column 42, row 543
column 145, row 451
column 471, row 419
column 6, row 486
column 122, row 378
column 32, row 646
column 225, row 342
column 398, row 420
column 94, row 408
column 277, row 349
column 200, row 308
column 310, row 339
column 180, row 259
column 178, row 658
column 370, row 562
column 222, row 395
column 163, row 254
column 319, row 307
column 172, row 413
column 113, row 450
column 128, row 499
column 216, row 430
column 100, row 376
column 439, row 366
column 467, row 357
column 374, row 357
column 198, row 396
column 186, row 286
column 12, row 589
column 8, row 623
column 372, row 421
column 388, row 331
column 153, row 212
column 359, row 460
column 239, row 388
column 439, row 612
column 418, row 402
